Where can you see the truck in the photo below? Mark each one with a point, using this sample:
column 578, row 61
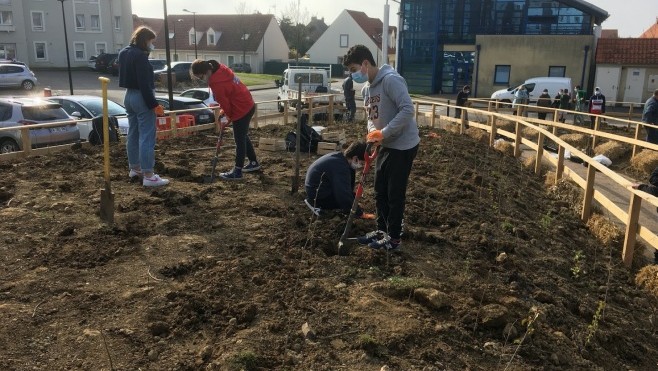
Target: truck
column 535, row 86
column 316, row 81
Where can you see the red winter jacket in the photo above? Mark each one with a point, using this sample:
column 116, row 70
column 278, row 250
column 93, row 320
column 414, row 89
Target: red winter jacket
column 231, row 94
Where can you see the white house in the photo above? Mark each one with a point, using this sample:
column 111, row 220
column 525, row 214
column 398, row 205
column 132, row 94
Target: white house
column 352, row 28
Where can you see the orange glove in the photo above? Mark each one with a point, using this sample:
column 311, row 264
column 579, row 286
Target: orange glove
column 367, row 216
column 375, row 136
column 159, row 110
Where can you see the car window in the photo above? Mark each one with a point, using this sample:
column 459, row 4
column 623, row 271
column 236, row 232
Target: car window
column 188, row 94
column 95, row 106
column 71, row 107
column 44, row 113
column 14, row 69
column 530, row 87
column 5, row 112
column 164, row 103
column 4, row 69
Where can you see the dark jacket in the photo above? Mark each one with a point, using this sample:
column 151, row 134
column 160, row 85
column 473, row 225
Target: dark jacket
column 462, row 97
column 594, row 102
column 565, row 101
column 333, row 178
column 348, row 88
column 135, row 72
column 652, row 187
column 650, row 113
column 544, row 100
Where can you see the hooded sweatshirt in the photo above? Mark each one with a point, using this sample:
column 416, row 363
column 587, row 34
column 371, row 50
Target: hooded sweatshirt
column 390, row 109
column 232, row 95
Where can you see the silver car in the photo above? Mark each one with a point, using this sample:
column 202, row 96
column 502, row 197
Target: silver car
column 17, row 75
column 30, row 111
column 88, row 107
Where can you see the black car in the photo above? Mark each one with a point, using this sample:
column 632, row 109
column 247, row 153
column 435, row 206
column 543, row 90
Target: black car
column 180, row 69
column 205, row 116
column 103, row 61
column 113, row 68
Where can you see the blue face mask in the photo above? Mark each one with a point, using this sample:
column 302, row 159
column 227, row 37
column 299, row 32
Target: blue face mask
column 359, row 77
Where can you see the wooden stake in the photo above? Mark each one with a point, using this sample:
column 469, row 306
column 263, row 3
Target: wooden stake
column 631, row 229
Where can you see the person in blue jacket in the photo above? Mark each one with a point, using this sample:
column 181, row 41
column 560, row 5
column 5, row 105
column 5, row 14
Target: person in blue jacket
column 650, row 116
column 136, row 76
column 330, row 179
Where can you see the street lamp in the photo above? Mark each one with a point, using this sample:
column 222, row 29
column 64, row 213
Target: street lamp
column 66, row 41
column 175, row 45
column 194, row 26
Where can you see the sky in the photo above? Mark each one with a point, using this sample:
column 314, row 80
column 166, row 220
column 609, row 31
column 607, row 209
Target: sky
column 630, row 17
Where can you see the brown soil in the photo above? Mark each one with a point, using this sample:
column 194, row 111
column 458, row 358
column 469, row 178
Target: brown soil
column 494, row 271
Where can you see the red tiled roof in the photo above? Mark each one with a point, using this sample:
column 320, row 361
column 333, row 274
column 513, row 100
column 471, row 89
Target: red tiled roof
column 627, row 51
column 231, row 27
column 373, row 27
column 651, row 32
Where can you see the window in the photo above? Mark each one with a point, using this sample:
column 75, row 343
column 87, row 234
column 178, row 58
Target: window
column 101, row 48
column 117, row 23
column 557, row 71
column 79, row 22
column 79, row 51
column 40, row 51
column 7, row 51
column 5, row 2
column 95, row 22
column 501, row 76
column 231, row 60
column 344, row 40
column 6, row 18
column 37, row 21
column 211, row 38
column 192, row 35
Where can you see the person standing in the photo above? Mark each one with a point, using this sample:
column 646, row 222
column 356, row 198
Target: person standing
column 650, row 116
column 521, row 99
column 136, row 76
column 349, row 93
column 238, row 105
column 462, row 99
column 579, row 103
column 544, row 101
column 565, row 104
column 596, row 105
column 391, row 125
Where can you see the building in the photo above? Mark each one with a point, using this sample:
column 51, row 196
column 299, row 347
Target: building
column 33, row 31
column 226, row 38
column 651, row 32
column 494, row 44
column 351, row 28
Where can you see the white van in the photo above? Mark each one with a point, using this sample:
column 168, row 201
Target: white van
column 535, row 86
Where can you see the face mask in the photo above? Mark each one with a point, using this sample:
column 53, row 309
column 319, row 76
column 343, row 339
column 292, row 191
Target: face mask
column 467, row 92
column 356, row 165
column 360, row 76
column 151, row 47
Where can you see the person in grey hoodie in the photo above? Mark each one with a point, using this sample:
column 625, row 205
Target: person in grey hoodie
column 391, row 124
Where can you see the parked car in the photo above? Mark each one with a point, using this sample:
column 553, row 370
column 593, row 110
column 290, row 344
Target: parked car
column 103, row 61
column 205, row 116
column 91, row 63
column 30, row 111
column 17, row 75
column 12, row 61
column 180, row 69
column 88, row 107
column 241, row 67
column 535, row 86
column 158, row 64
column 202, row 94
column 113, row 67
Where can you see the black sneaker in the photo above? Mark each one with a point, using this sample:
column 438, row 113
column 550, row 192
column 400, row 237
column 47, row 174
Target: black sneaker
column 251, row 166
column 371, row 237
column 385, row 243
column 234, row 174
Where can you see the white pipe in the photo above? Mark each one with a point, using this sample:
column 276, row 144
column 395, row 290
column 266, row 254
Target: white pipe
column 385, row 35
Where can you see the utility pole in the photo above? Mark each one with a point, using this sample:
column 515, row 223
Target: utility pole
column 196, row 55
column 66, row 41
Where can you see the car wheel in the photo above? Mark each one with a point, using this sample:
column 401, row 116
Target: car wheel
column 279, row 105
column 27, row 85
column 8, row 145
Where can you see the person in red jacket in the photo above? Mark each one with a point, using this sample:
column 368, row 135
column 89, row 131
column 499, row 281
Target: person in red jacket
column 238, row 105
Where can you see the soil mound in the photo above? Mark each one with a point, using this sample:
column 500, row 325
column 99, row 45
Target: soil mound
column 494, row 272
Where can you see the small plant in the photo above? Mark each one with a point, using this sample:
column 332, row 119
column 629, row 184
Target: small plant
column 593, row 327
column 371, row 346
column 529, row 322
column 246, row 360
column 578, row 262
column 507, row 227
column 406, row 283
column 546, row 221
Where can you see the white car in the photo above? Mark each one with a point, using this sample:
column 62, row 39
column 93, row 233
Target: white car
column 88, row 107
column 91, row 63
column 202, row 94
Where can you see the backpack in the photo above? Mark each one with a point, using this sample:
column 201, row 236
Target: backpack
column 308, row 140
column 96, row 136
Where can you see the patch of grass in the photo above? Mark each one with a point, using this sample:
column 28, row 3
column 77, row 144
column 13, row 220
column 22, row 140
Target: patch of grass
column 546, row 221
column 507, row 227
column 371, row 346
column 246, row 360
column 405, row 283
column 578, row 263
column 250, row 79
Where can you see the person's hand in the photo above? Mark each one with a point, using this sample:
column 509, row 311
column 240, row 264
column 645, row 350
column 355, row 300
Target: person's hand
column 635, row 185
column 367, row 216
column 159, row 110
column 375, row 136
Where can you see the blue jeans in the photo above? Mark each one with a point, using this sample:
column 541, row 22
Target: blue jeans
column 140, row 143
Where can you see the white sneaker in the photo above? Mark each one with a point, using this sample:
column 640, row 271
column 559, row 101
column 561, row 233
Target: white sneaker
column 154, row 181
column 133, row 173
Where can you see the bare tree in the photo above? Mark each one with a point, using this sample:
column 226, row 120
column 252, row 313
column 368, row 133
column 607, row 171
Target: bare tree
column 300, row 17
column 243, row 10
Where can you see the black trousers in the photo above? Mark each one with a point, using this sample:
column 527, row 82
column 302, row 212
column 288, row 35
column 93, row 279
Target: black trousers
column 242, row 142
column 350, row 104
column 391, row 178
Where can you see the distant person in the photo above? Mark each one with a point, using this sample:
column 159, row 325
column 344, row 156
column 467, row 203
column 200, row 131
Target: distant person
column 238, row 105
column 521, row 99
column 596, row 105
column 544, row 101
column 349, row 93
column 579, row 105
column 565, row 104
column 462, row 100
column 330, row 180
column 650, row 116
column 136, row 76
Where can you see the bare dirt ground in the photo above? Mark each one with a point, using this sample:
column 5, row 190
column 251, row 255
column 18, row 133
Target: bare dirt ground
column 495, row 272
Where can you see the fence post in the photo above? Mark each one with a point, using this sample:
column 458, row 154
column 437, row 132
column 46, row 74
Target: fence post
column 637, row 137
column 26, row 141
column 630, row 117
column 433, row 119
column 517, row 140
column 540, row 153
column 596, row 128
column 494, row 129
column 310, row 111
column 331, row 109
column 448, row 109
column 174, row 125
column 462, row 123
column 560, row 164
column 285, row 113
column 254, row 119
column 631, row 229
column 589, row 193
column 416, row 107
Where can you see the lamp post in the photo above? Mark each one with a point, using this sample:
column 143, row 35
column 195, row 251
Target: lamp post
column 66, row 41
column 194, row 26
column 175, row 45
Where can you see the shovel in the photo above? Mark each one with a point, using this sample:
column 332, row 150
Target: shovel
column 107, row 196
column 359, row 192
column 215, row 160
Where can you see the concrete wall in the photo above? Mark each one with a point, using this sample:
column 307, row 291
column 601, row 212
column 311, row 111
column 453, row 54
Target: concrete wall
column 530, row 56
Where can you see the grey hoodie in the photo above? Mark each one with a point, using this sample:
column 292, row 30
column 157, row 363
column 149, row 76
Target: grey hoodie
column 391, row 110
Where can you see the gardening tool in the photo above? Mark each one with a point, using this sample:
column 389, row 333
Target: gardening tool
column 368, row 157
column 107, row 196
column 215, row 160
